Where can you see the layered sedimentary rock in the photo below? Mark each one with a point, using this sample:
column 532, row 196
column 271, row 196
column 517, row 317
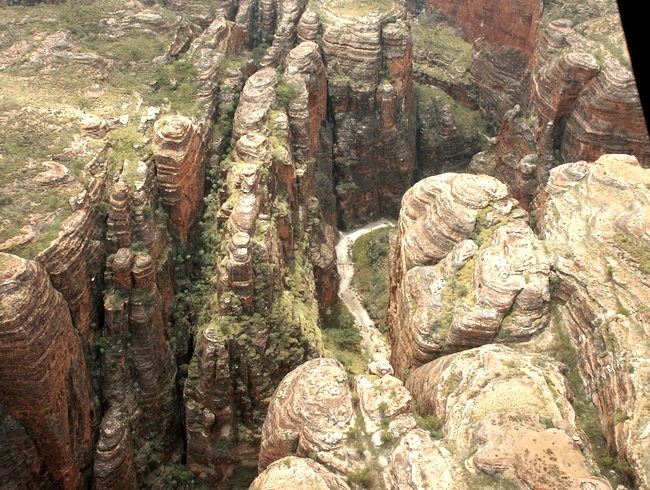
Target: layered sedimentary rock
column 584, row 97
column 607, row 118
column 179, row 149
column 20, row 464
column 284, row 38
column 445, row 142
column 43, row 378
column 500, row 23
column 276, row 256
column 516, row 156
column 559, row 77
column 503, row 35
column 311, row 146
column 368, row 53
column 298, row 473
column 223, row 39
column 594, row 217
column 502, row 75
column 113, row 466
column 449, row 292
column 313, row 414
column 515, row 407
column 303, row 418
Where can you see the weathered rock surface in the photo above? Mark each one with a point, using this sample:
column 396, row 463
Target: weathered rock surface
column 20, row 464
column 516, row 156
column 113, row 466
column 287, row 13
column 43, row 378
column 276, row 257
column 298, row 473
column 373, row 110
column 450, row 293
column 594, row 217
column 313, row 415
column 179, row 149
column 445, row 142
column 310, row 412
column 498, row 399
column 607, row 118
column 500, row 23
column 559, row 76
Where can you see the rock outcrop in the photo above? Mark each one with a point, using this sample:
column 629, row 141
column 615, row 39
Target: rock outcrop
column 368, row 53
column 516, row 156
column 607, row 118
column 179, row 149
column 515, row 407
column 304, row 418
column 594, row 217
column 44, row 383
column 113, row 466
column 449, row 292
column 138, row 368
column 315, row 414
column 275, row 258
column 298, row 473
column 446, row 141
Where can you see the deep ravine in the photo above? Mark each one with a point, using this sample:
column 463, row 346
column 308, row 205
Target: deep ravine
column 373, row 343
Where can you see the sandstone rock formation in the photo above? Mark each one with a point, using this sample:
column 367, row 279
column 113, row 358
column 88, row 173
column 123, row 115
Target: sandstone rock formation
column 275, row 258
column 501, row 400
column 595, row 126
column 179, row 149
column 449, row 292
column 373, row 106
column 113, row 466
column 20, row 464
column 43, row 377
column 332, row 140
column 298, row 473
column 313, row 414
column 445, row 142
column 516, row 156
column 304, row 418
column 594, row 217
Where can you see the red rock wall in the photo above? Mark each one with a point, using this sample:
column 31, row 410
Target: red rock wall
column 499, row 22
column 44, row 380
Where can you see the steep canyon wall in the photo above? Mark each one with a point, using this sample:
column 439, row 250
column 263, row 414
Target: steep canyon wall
column 170, row 226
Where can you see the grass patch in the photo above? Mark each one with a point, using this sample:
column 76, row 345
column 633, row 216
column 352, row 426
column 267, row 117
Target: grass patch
column 341, row 338
column 639, row 251
column 466, row 120
column 354, row 8
column 370, row 255
column 432, row 424
column 442, row 47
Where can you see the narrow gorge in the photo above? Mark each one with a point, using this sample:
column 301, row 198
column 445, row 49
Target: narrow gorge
column 373, row 244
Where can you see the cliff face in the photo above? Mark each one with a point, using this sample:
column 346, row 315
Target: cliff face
column 368, row 53
column 43, row 376
column 274, row 259
column 600, row 242
column 607, row 118
column 449, row 292
column 106, row 190
column 179, row 149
